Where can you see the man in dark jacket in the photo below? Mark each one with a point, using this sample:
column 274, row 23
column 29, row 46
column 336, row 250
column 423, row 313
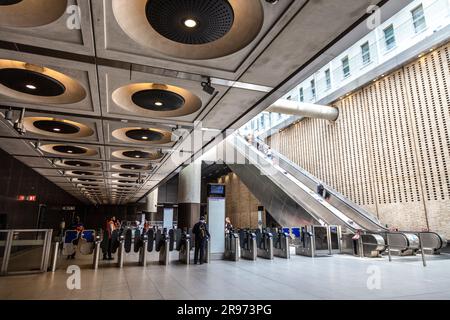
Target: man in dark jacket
column 201, row 233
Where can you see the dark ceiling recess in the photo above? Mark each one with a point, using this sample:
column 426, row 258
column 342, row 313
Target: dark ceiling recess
column 131, row 166
column 158, row 100
column 69, row 149
column 137, row 154
column 31, row 82
column 128, row 175
column 125, row 181
column 144, row 135
column 77, row 163
column 82, row 173
column 190, row 21
column 56, row 126
column 9, row 2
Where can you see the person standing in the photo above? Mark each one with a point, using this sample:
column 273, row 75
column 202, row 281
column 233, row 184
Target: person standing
column 200, row 230
column 79, row 227
column 228, row 225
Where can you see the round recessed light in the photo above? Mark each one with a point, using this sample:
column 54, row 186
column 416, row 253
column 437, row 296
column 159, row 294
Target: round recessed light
column 31, row 82
column 203, row 21
column 190, row 23
column 54, row 126
column 144, row 134
column 158, row 100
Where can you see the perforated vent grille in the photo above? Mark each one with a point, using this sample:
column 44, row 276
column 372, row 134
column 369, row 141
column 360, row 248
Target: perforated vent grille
column 391, row 143
column 212, row 18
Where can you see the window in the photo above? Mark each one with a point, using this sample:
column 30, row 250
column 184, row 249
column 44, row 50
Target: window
column 418, row 19
column 389, row 37
column 301, row 95
column 328, row 78
column 313, row 89
column 346, row 67
column 365, row 51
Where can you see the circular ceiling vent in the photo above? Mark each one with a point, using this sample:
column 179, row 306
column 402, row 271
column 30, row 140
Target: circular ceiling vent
column 57, row 127
column 66, row 150
column 75, row 164
column 191, row 29
column 138, row 155
column 132, row 167
column 156, row 100
column 81, row 173
column 143, row 135
column 30, row 13
column 128, row 175
column 190, row 21
column 32, row 83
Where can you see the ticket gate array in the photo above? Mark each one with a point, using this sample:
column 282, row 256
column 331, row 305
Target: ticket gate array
column 281, row 246
column 232, row 246
column 129, row 240
column 264, row 240
column 248, row 244
column 315, row 240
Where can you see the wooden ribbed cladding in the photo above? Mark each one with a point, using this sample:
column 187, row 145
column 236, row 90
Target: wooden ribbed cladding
column 389, row 151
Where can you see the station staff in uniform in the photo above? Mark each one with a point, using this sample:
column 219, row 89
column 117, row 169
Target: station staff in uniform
column 200, row 230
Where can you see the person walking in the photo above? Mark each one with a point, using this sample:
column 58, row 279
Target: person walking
column 200, row 230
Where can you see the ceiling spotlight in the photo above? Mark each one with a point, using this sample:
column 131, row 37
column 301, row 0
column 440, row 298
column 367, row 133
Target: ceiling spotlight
column 137, row 156
column 158, row 103
column 206, row 85
column 56, row 129
column 69, row 151
column 190, row 23
column 31, row 87
column 144, row 138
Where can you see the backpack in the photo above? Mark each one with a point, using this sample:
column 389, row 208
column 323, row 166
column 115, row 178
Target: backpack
column 202, row 231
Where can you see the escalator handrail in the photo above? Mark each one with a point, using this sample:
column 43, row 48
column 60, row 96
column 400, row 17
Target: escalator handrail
column 343, row 222
column 297, row 168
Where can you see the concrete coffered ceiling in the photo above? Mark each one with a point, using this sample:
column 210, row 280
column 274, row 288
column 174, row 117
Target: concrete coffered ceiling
column 105, row 90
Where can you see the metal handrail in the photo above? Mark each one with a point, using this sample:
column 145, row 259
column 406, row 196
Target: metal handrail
column 363, row 213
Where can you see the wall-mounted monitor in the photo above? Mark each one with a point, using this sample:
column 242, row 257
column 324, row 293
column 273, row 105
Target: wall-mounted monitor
column 216, row 190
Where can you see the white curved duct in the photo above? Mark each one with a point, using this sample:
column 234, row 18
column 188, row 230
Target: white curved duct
column 303, row 109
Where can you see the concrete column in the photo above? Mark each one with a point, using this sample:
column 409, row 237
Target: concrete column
column 189, row 195
column 152, row 204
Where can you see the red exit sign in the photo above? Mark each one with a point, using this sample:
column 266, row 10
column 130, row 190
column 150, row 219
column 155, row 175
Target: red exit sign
column 22, row 197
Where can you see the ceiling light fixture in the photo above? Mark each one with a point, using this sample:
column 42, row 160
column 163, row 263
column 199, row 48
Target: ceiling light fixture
column 56, row 129
column 31, row 87
column 190, row 23
column 144, row 138
column 158, row 103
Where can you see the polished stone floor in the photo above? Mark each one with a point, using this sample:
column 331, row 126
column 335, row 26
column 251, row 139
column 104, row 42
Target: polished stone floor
column 337, row 277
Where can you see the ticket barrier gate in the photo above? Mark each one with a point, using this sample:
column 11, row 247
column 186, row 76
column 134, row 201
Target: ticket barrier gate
column 184, row 248
column 318, row 240
column 248, row 244
column 370, row 245
column 281, row 247
column 232, row 246
column 264, row 240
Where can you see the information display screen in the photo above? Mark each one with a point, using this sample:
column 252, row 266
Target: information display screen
column 216, row 190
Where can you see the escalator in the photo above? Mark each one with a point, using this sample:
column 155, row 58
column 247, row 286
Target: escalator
column 288, row 191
